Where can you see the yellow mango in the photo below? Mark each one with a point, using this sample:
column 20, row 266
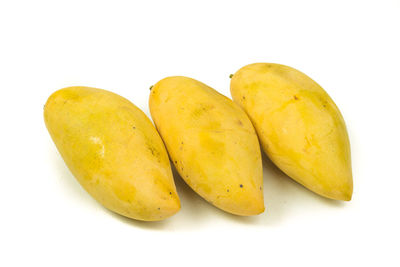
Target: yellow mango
column 212, row 143
column 299, row 126
column 114, row 151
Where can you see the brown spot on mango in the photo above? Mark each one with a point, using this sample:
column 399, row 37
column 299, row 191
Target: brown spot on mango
column 201, row 110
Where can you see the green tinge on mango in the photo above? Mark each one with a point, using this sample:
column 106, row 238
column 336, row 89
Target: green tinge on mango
column 211, row 142
column 299, row 126
column 114, row 151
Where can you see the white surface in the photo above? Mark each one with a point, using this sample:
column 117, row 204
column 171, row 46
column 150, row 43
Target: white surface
column 351, row 48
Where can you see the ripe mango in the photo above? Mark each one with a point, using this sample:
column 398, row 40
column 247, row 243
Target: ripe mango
column 299, row 126
column 211, row 142
column 114, row 151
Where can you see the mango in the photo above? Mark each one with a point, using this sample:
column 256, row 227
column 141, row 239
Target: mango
column 211, row 142
column 114, row 151
column 299, row 126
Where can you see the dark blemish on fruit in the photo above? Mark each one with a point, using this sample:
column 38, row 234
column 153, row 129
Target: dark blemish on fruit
column 230, row 76
column 182, row 143
column 170, row 193
column 151, row 87
column 200, row 111
column 133, row 127
column 158, row 208
column 296, row 97
column 176, row 162
column 243, row 97
column 227, row 190
column 241, row 186
column 324, row 105
column 153, row 150
column 187, row 176
column 240, row 122
column 260, row 188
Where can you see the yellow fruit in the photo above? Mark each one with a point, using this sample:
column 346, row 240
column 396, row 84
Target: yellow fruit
column 212, row 143
column 114, row 151
column 299, row 126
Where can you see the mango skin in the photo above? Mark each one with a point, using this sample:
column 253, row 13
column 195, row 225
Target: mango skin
column 299, row 126
column 114, row 151
column 211, row 142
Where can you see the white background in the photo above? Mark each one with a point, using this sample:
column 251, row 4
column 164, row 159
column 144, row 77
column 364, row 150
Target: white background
column 351, row 48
